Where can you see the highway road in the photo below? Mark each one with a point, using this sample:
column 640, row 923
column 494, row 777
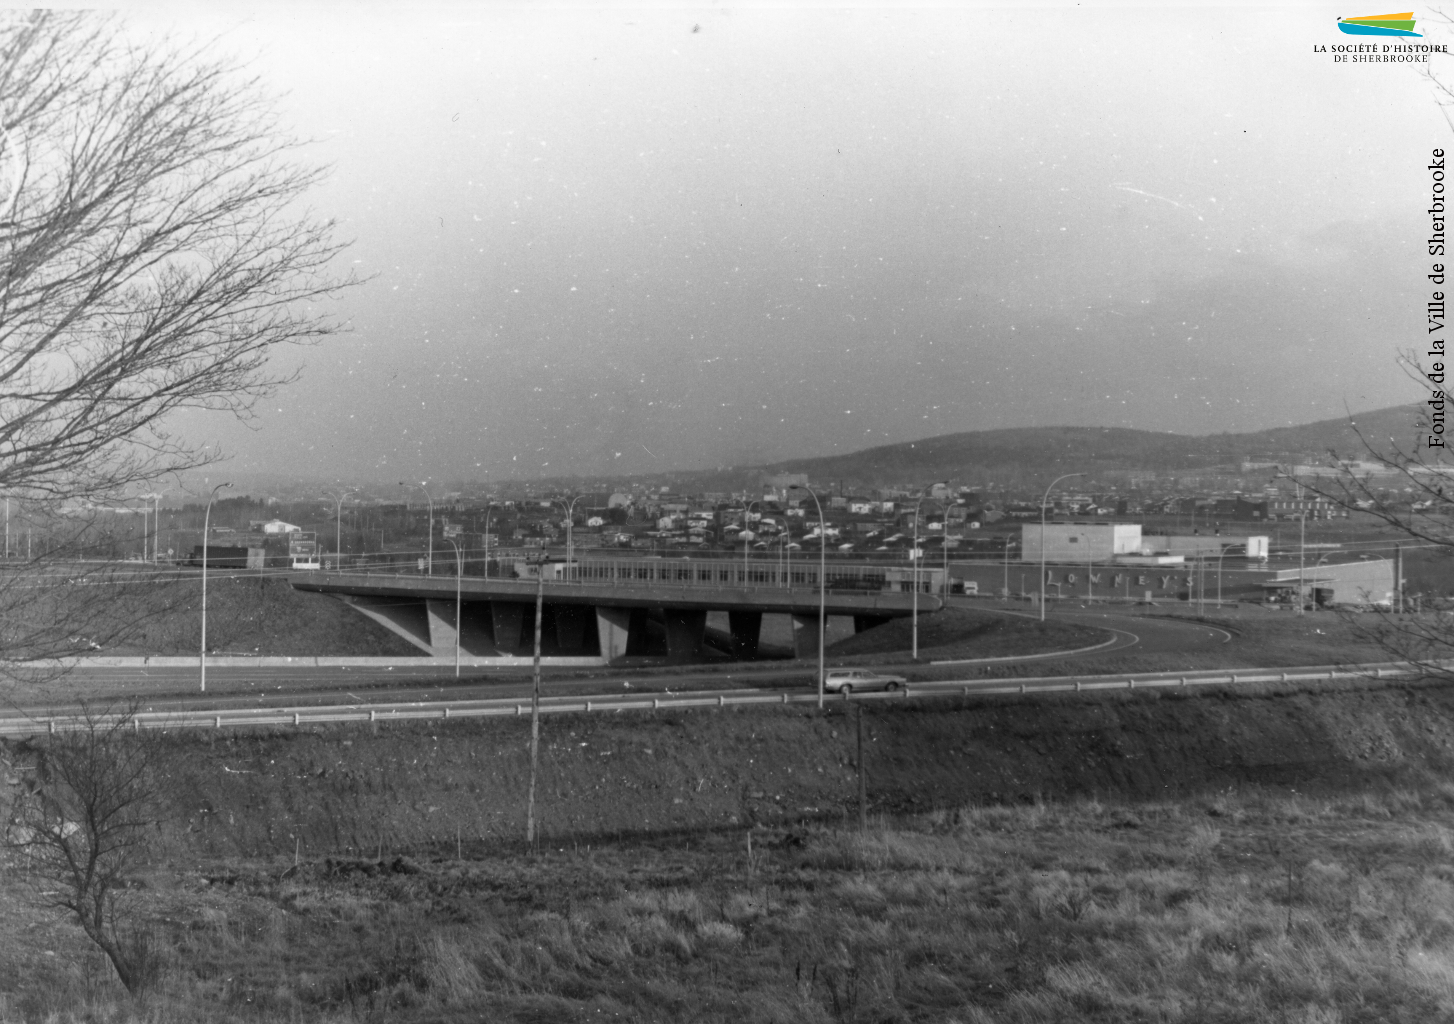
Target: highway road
column 174, row 718
column 170, row 688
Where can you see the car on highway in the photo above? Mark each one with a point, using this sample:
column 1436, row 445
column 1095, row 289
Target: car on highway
column 855, row 680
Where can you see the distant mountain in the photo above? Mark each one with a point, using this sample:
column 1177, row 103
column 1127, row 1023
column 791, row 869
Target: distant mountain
column 1040, row 451
column 1014, row 457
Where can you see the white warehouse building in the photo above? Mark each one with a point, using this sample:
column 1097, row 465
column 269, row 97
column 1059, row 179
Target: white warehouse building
column 1079, row 542
column 1106, row 542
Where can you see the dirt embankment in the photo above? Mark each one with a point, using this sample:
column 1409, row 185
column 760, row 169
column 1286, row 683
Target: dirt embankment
column 414, row 787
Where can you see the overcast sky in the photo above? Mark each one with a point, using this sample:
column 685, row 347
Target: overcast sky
column 621, row 239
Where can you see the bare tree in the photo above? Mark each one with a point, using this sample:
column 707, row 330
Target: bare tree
column 83, row 830
column 153, row 250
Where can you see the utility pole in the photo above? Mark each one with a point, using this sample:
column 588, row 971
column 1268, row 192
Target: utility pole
column 1302, row 542
column 862, row 784
column 945, row 538
column 429, row 566
column 535, row 706
column 1398, row 576
column 206, row 525
column 1043, row 500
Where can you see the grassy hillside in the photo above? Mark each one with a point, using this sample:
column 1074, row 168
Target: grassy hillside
column 250, row 614
column 1249, row 857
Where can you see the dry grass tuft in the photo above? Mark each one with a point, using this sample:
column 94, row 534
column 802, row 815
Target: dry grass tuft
column 1238, row 907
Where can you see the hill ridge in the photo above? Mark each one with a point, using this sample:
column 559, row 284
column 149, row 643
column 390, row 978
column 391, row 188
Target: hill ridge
column 1038, row 450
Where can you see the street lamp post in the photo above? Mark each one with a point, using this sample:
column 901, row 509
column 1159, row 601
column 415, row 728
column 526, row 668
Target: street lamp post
column 338, row 522
column 429, row 565
column 746, row 529
column 1007, row 567
column 1043, row 500
column 1221, row 553
column 1302, row 523
column 822, row 587
column 206, row 527
column 570, row 516
column 155, row 497
column 787, row 540
column 458, row 583
column 488, row 510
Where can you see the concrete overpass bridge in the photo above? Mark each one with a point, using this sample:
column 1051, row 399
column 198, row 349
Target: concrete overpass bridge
column 605, row 609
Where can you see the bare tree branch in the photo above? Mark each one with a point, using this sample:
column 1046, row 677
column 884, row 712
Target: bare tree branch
column 154, row 248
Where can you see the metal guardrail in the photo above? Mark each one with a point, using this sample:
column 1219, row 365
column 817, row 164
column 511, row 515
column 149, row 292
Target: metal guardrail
column 32, row 725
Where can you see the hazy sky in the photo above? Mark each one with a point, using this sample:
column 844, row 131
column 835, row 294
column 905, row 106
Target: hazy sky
column 614, row 239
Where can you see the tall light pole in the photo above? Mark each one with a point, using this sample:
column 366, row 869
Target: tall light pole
column 429, row 571
column 1007, row 567
column 458, row 583
column 822, row 586
column 488, row 510
column 338, row 522
column 1221, row 553
column 1043, row 500
column 206, row 528
column 746, row 529
column 570, row 518
column 155, row 497
column 1302, row 541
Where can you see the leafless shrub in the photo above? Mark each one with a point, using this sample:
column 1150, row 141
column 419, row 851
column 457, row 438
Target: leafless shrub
column 83, row 829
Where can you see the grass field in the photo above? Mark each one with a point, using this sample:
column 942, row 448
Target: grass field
column 960, row 632
column 1240, row 906
column 1229, row 857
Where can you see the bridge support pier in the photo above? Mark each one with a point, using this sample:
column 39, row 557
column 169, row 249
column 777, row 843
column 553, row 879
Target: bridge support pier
column 806, row 629
column 477, row 636
column 508, row 618
column 685, row 628
column 613, row 631
column 746, row 628
column 571, row 622
column 408, row 619
column 441, row 625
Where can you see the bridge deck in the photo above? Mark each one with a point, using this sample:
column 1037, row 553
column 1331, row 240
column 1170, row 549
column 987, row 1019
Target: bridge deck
column 690, row 593
column 612, row 608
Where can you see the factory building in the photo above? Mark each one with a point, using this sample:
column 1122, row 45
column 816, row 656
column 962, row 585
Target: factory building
column 1358, row 584
column 1078, row 542
column 1124, row 542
